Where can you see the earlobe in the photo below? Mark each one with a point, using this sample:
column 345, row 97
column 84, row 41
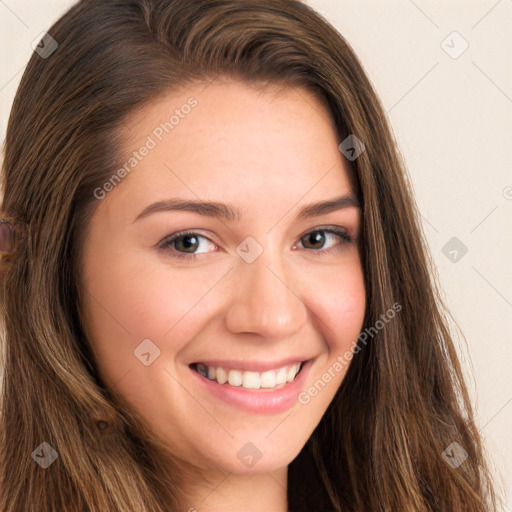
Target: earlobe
column 13, row 231
column 7, row 237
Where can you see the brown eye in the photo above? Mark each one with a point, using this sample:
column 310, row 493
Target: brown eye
column 184, row 244
column 317, row 239
column 188, row 243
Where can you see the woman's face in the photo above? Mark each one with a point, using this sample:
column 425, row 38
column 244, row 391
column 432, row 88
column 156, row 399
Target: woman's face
column 249, row 294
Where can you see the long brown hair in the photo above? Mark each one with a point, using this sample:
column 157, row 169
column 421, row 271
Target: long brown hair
column 403, row 401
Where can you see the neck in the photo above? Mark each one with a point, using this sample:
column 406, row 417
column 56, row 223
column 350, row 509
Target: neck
column 216, row 491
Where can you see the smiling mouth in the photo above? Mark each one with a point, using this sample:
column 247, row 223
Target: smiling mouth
column 270, row 379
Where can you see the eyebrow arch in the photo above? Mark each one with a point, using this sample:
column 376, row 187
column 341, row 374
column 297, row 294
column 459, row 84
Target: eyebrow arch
column 229, row 212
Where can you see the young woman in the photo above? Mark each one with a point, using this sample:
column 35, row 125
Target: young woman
column 216, row 295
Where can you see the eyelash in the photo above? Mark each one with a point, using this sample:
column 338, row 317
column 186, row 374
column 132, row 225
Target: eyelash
column 341, row 233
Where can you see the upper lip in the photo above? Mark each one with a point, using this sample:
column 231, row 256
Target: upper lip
column 255, row 366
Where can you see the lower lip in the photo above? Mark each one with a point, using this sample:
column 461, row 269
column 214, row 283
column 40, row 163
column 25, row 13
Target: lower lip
column 260, row 401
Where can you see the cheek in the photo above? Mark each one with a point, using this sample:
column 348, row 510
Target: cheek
column 340, row 302
column 132, row 301
column 341, row 309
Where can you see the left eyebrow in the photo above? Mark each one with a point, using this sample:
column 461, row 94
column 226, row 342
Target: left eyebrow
column 324, row 207
column 227, row 211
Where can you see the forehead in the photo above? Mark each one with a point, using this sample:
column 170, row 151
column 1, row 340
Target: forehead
column 259, row 147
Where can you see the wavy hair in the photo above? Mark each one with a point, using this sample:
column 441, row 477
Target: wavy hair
column 403, row 400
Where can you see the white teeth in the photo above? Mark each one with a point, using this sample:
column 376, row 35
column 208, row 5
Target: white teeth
column 281, row 376
column 251, row 380
column 292, row 371
column 221, row 375
column 248, row 379
column 235, row 378
column 268, row 379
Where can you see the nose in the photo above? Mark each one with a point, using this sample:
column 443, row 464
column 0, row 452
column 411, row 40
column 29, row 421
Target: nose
column 263, row 302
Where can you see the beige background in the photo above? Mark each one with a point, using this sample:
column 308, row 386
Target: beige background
column 451, row 111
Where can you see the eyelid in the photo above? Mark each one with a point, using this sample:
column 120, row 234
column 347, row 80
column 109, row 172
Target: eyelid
column 165, row 242
column 340, row 231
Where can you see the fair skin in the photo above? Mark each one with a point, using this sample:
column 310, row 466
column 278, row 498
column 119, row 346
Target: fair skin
column 269, row 154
